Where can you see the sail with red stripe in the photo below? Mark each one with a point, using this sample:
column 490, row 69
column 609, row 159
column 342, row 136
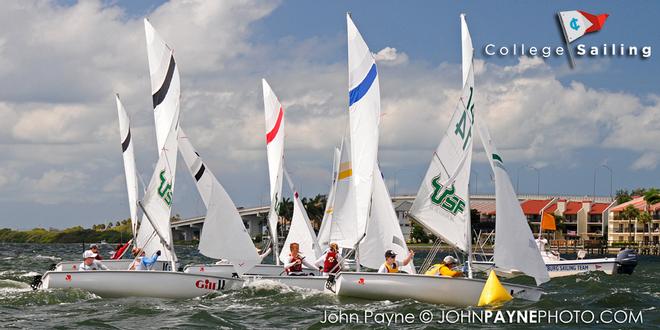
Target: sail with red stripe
column 274, row 113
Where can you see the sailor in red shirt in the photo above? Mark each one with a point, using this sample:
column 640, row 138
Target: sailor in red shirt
column 296, row 260
column 331, row 261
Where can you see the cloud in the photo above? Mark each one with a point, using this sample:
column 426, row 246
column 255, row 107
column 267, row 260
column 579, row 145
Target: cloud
column 648, row 161
column 60, row 66
column 390, row 56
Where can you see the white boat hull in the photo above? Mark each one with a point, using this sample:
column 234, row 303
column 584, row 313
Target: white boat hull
column 228, row 270
column 121, row 264
column 456, row 291
column 305, row 282
column 559, row 268
column 156, row 284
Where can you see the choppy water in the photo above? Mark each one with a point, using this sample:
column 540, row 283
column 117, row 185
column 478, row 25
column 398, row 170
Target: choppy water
column 268, row 305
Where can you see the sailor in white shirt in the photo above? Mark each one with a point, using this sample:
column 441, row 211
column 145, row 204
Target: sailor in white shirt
column 89, row 262
column 541, row 242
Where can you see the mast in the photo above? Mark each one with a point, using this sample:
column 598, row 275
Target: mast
column 467, row 54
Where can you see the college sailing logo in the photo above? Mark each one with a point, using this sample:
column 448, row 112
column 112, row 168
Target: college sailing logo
column 165, row 189
column 448, row 200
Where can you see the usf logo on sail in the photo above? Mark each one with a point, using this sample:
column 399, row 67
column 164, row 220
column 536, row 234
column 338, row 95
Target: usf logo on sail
column 165, row 189
column 448, row 200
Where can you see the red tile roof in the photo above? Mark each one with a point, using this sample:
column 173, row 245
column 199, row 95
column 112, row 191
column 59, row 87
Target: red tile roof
column 655, row 206
column 573, row 207
column 533, row 206
column 485, row 207
column 638, row 203
column 598, row 208
column 551, row 209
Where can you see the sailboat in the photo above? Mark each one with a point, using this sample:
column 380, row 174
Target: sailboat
column 442, row 207
column 154, row 233
column 130, row 172
column 556, row 266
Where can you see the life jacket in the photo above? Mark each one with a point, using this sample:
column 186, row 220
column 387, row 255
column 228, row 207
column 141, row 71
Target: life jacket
column 442, row 270
column 297, row 268
column 434, row 270
column 392, row 269
column 330, row 262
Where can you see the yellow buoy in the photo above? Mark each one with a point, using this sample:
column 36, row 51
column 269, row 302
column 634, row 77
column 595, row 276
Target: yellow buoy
column 494, row 293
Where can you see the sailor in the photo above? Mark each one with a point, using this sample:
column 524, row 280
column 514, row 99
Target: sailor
column 95, row 249
column 89, row 262
column 142, row 262
column 445, row 268
column 390, row 265
column 541, row 242
column 330, row 262
column 296, row 260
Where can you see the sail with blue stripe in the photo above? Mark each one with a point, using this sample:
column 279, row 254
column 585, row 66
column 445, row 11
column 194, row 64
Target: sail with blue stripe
column 364, row 117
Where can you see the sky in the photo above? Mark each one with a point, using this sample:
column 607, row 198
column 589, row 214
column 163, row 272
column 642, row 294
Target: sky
column 61, row 62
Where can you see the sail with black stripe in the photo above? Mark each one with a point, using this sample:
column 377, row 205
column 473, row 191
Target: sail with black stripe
column 224, row 235
column 128, row 155
column 165, row 82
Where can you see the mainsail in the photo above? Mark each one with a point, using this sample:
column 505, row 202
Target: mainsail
column 165, row 88
column 165, row 84
column 274, row 113
column 129, row 163
column 324, row 231
column 442, row 202
column 224, row 235
column 300, row 231
column 383, row 230
column 343, row 228
column 364, row 117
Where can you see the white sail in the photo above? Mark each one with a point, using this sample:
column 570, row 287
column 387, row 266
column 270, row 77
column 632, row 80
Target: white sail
column 324, row 231
column 364, row 115
column 157, row 201
column 515, row 247
column 343, row 228
column 300, row 231
column 442, row 202
column 383, row 230
column 224, row 235
column 274, row 113
column 165, row 84
column 130, row 170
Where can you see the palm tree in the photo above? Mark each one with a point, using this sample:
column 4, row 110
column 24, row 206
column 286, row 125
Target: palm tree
column 651, row 197
column 645, row 219
column 285, row 211
column 315, row 209
column 630, row 213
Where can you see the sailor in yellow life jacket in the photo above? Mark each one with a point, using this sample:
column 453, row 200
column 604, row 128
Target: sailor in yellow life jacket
column 445, row 268
column 390, row 265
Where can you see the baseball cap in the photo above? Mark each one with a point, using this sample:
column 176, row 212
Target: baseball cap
column 89, row 254
column 91, row 246
column 390, row 253
column 449, row 260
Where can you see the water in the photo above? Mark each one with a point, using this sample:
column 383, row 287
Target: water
column 268, row 305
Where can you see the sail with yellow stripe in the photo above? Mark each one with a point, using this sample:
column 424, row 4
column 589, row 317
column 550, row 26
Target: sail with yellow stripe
column 343, row 228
